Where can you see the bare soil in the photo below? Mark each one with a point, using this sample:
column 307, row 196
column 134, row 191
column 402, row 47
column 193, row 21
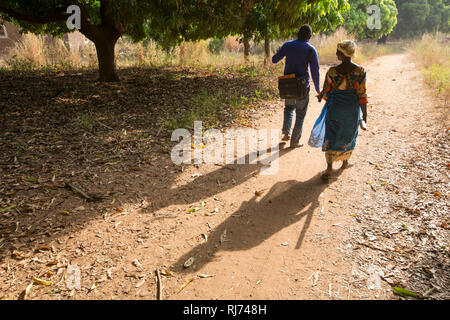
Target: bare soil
column 380, row 224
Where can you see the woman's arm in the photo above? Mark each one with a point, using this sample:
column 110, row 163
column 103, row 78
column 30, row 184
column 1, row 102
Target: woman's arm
column 364, row 112
column 326, row 87
column 362, row 94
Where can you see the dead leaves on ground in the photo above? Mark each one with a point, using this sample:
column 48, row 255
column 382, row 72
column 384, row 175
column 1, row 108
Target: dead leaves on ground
column 403, row 225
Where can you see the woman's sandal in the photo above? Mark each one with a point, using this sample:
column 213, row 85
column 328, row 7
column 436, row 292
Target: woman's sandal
column 348, row 165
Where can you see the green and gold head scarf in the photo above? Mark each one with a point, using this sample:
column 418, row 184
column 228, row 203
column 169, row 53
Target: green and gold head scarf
column 348, row 48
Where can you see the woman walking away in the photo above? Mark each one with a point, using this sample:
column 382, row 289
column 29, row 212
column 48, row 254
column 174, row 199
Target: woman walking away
column 345, row 92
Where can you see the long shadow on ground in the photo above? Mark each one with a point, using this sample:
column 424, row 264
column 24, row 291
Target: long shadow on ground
column 256, row 220
column 66, row 128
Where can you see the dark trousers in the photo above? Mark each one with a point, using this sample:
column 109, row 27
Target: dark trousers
column 300, row 107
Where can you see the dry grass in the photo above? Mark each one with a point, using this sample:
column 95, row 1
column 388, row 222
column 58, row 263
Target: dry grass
column 29, row 52
column 432, row 52
column 232, row 44
column 41, row 52
column 193, row 53
column 326, row 45
column 36, row 52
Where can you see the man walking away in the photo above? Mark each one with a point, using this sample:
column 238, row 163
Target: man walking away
column 299, row 54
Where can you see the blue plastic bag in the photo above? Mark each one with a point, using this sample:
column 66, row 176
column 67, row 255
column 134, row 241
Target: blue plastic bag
column 318, row 131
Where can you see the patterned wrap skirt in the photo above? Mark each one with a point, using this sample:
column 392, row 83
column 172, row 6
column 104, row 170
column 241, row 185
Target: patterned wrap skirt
column 341, row 125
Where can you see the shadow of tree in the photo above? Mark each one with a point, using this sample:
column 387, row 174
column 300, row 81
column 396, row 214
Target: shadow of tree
column 65, row 128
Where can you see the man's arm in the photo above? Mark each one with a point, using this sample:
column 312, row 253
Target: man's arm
column 314, row 67
column 281, row 53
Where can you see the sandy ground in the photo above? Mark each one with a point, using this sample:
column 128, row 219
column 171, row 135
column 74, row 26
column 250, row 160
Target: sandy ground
column 283, row 236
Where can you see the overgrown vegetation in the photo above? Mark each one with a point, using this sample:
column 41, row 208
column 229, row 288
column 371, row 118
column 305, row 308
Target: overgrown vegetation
column 432, row 53
column 326, row 46
column 213, row 108
column 355, row 20
column 171, row 22
column 36, row 52
column 416, row 17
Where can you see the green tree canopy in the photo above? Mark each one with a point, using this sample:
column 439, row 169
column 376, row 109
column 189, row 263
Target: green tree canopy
column 282, row 19
column 102, row 21
column 355, row 20
column 321, row 15
column 250, row 19
column 417, row 17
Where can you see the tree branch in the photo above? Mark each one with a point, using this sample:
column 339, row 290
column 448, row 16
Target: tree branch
column 107, row 17
column 57, row 16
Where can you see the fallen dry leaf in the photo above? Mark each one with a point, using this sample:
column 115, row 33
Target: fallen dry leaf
column 18, row 255
column 52, row 263
column 42, row 282
column 94, row 285
column 24, row 294
column 186, row 284
column 189, row 262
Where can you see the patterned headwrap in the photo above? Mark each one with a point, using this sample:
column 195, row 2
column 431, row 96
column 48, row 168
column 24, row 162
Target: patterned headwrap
column 348, row 48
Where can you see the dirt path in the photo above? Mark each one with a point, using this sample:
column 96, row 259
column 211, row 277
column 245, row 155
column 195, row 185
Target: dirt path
column 290, row 243
column 294, row 239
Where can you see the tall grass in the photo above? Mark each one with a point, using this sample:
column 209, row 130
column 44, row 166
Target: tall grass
column 326, row 46
column 28, row 53
column 432, row 53
column 41, row 52
column 34, row 52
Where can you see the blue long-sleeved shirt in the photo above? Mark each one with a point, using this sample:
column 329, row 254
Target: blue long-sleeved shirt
column 296, row 52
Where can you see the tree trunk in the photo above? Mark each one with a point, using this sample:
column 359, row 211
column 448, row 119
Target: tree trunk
column 266, row 49
column 246, row 48
column 106, row 58
column 383, row 40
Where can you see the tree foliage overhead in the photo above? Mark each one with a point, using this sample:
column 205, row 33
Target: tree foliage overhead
column 321, row 15
column 356, row 19
column 49, row 16
column 283, row 19
column 417, row 17
column 171, row 21
column 102, row 21
column 253, row 19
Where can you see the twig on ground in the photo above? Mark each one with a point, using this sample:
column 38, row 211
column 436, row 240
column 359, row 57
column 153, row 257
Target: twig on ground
column 79, row 191
column 104, row 125
column 159, row 285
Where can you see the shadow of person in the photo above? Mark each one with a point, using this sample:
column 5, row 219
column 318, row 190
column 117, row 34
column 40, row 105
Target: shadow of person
column 226, row 177
column 162, row 193
column 107, row 139
column 285, row 204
